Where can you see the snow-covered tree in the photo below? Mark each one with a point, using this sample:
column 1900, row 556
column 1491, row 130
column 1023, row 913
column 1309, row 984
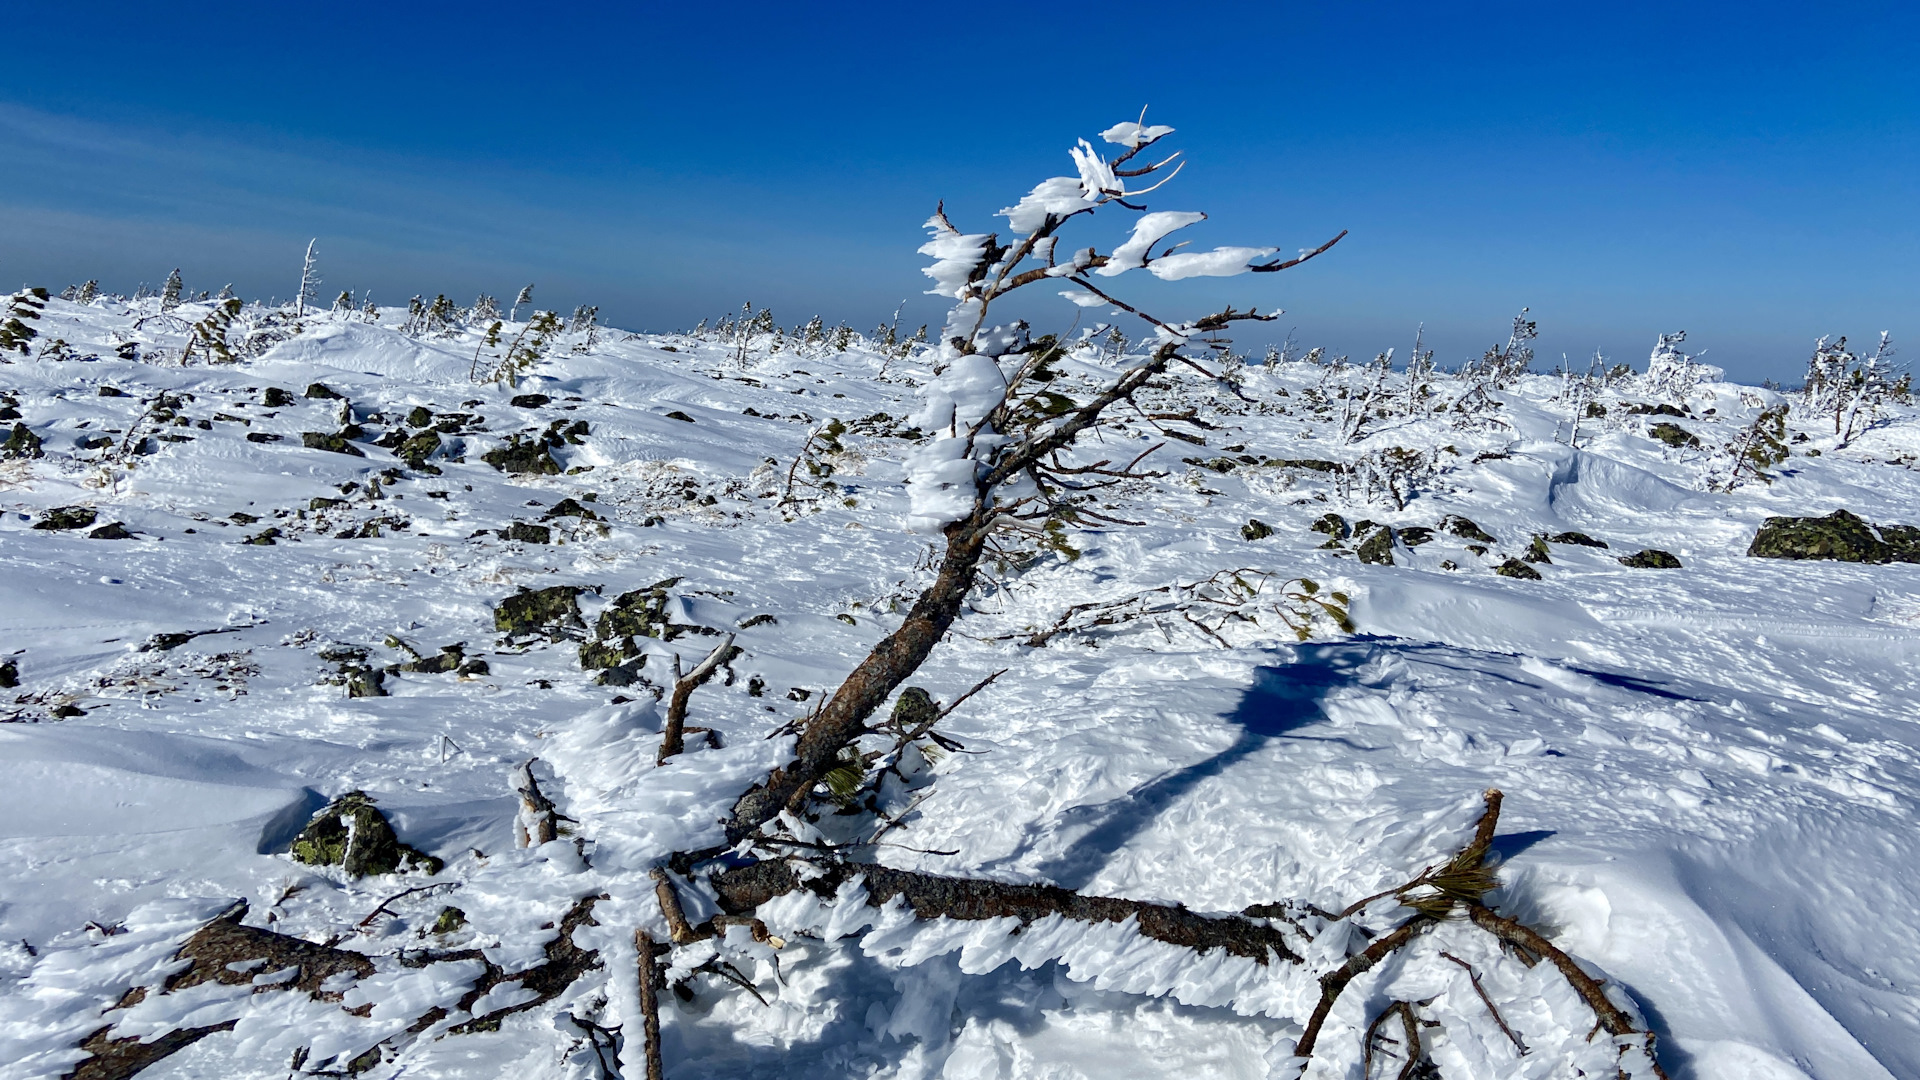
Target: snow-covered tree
column 309, row 280
column 170, row 292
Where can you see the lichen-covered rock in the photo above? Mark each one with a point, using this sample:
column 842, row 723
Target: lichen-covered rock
column 537, row 610
column 1377, row 547
column 62, row 518
column 1415, row 535
column 529, row 534
column 1333, row 525
column 569, row 508
column 21, row 443
column 520, row 456
column 1673, row 435
column 416, row 449
column 1537, row 551
column 1465, row 529
column 419, row 416
column 1514, row 568
column 338, row 444
column 112, row 530
column 1255, row 529
column 1651, row 559
column 638, row 613
column 353, row 834
column 1577, row 538
column 1839, row 536
column 273, row 397
column 323, row 392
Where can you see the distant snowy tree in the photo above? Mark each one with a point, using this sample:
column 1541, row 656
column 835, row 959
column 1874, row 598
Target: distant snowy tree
column 170, row 292
column 309, row 281
column 525, row 297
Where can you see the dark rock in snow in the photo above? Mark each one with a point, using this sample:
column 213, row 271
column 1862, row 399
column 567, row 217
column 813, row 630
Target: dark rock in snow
column 520, row 456
column 324, row 392
column 262, row 437
column 529, row 401
column 61, row 518
column 420, row 416
column 678, row 415
column 1255, row 529
column 534, row 610
column 1461, row 527
column 274, row 397
column 416, row 450
column 21, row 443
column 1839, row 536
column 112, row 530
column 529, row 534
column 9, row 675
column 112, row 391
column 1652, row 559
column 319, row 440
column 1579, row 538
column 353, row 834
column 1334, row 526
column 1514, row 568
column 1377, row 547
column 1415, row 535
column 1673, row 435
column 569, row 508
column 1537, row 551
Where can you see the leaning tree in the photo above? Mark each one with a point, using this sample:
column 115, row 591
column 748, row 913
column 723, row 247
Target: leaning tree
column 1005, row 450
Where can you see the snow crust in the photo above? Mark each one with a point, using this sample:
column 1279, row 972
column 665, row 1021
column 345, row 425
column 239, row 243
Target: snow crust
column 1710, row 772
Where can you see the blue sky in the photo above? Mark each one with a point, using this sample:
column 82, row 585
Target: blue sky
column 1745, row 172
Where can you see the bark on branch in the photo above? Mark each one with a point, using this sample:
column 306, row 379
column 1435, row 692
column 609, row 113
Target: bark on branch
column 932, row 896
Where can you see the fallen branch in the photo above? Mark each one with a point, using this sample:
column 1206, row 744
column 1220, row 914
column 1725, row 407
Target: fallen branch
column 1611, row 1017
column 1409, row 1026
column 931, row 896
column 649, row 1002
column 675, row 739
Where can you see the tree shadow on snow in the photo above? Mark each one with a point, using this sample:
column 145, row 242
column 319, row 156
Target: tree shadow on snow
column 1284, row 699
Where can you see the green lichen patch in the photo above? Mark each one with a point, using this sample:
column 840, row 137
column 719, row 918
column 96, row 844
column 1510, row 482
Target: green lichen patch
column 1673, row 435
column 533, row 611
column 1376, row 547
column 21, row 443
column 1514, row 568
column 335, row 443
column 1455, row 525
column 62, row 518
column 521, row 457
column 353, row 834
column 1839, row 536
column 1651, row 559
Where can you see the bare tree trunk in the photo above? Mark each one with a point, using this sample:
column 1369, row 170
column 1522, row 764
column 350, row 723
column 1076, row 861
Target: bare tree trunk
column 866, row 688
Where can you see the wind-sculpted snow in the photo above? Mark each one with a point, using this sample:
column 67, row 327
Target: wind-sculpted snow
column 1710, row 771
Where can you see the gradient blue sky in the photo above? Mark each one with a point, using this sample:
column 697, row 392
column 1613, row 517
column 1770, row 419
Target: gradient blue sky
column 1746, row 172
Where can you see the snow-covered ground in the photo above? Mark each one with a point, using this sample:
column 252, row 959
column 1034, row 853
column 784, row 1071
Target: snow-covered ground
column 1710, row 772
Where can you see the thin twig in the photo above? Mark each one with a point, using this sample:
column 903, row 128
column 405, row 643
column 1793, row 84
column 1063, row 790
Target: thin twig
column 375, row 913
column 1482, row 991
